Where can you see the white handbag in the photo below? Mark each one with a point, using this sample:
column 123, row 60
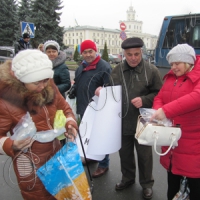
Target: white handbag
column 153, row 134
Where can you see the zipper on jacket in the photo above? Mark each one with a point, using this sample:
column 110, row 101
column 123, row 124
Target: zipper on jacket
column 175, row 82
column 170, row 162
column 47, row 117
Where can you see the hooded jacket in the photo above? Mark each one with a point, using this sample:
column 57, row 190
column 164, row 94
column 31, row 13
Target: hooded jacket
column 180, row 100
column 61, row 73
column 15, row 102
column 22, row 45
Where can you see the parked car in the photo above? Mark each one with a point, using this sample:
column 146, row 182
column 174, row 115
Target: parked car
column 113, row 59
column 6, row 53
column 119, row 56
column 69, row 53
column 151, row 54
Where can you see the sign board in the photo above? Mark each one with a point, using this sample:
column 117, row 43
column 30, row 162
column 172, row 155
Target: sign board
column 122, row 35
column 122, row 26
column 27, row 27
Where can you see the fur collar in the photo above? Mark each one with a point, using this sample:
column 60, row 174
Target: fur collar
column 14, row 91
column 60, row 59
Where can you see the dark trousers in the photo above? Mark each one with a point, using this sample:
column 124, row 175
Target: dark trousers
column 145, row 161
column 174, row 186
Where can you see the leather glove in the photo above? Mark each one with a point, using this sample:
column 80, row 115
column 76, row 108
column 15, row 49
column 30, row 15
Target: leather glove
column 71, row 93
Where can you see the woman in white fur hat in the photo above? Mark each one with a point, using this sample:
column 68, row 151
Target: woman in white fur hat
column 26, row 85
column 179, row 100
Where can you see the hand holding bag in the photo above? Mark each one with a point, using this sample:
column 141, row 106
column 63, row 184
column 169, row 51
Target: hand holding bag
column 63, row 175
column 154, row 134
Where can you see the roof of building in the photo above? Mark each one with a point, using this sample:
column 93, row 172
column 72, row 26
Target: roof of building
column 86, row 27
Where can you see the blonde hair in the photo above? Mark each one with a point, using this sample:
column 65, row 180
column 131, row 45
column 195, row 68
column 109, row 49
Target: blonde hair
column 41, row 45
column 188, row 67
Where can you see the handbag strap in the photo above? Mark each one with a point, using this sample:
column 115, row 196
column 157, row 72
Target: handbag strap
column 173, row 139
column 138, row 129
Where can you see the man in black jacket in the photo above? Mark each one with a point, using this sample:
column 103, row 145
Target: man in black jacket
column 23, row 43
column 92, row 73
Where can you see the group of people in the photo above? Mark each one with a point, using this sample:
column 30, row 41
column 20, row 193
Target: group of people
column 36, row 82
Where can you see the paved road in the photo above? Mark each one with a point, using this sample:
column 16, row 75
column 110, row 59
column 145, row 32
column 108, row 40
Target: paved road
column 103, row 186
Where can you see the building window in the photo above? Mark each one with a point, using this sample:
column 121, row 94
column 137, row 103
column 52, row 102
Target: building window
column 76, row 41
column 129, row 26
column 93, row 34
column 69, row 34
column 73, row 41
column 76, row 34
column 69, row 41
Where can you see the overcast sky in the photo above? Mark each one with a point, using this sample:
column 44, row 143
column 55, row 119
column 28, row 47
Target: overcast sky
column 108, row 13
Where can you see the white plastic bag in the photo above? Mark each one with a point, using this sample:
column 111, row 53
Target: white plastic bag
column 25, row 128
column 72, row 103
column 147, row 113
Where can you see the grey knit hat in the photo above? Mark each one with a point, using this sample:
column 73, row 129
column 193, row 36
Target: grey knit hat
column 182, row 53
column 32, row 66
column 53, row 43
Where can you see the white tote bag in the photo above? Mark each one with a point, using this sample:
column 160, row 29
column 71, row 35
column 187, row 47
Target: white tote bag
column 100, row 127
column 152, row 134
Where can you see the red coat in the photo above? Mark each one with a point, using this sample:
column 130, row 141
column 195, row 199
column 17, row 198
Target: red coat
column 180, row 100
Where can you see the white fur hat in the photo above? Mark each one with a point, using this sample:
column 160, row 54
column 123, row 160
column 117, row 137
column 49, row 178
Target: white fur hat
column 53, row 43
column 182, row 53
column 32, row 66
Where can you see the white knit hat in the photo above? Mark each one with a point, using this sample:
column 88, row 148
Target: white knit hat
column 32, row 66
column 53, row 43
column 182, row 53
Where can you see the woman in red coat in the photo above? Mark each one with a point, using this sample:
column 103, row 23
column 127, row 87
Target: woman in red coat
column 179, row 100
column 26, row 85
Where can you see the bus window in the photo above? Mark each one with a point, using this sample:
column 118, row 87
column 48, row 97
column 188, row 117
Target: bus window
column 176, row 30
column 183, row 30
column 195, row 39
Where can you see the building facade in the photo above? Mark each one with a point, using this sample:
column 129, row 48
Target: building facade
column 100, row 35
column 134, row 29
column 73, row 36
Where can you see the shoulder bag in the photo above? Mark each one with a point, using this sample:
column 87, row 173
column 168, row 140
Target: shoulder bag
column 154, row 134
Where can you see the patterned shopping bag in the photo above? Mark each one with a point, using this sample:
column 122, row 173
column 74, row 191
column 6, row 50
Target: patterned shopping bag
column 63, row 175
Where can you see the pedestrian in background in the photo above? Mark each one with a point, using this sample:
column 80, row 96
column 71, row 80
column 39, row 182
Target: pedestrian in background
column 26, row 85
column 23, row 43
column 41, row 47
column 91, row 73
column 61, row 75
column 140, row 82
column 179, row 101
